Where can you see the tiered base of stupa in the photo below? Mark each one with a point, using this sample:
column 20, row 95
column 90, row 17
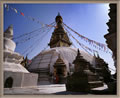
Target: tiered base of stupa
column 15, row 75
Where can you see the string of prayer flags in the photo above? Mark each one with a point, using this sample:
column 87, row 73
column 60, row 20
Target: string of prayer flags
column 82, row 45
column 21, row 13
column 28, row 17
column 91, row 42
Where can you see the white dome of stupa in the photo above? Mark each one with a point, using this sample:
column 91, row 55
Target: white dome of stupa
column 49, row 57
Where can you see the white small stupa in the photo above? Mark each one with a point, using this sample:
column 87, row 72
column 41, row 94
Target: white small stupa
column 15, row 75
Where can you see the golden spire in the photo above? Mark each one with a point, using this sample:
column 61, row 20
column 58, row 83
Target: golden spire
column 59, row 36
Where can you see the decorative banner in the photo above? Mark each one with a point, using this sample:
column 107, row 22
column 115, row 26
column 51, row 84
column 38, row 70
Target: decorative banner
column 82, row 45
column 91, row 42
column 15, row 10
column 28, row 33
column 32, row 47
column 28, row 17
column 94, row 43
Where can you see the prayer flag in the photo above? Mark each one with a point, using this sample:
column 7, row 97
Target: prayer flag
column 15, row 10
column 22, row 13
column 7, row 7
column 48, row 25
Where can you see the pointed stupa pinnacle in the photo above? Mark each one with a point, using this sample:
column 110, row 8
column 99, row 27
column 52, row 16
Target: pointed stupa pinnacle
column 11, row 26
column 79, row 58
column 59, row 14
column 58, row 18
column 94, row 55
column 59, row 56
column 26, row 57
column 9, row 32
column 59, row 61
column 98, row 55
column 78, row 52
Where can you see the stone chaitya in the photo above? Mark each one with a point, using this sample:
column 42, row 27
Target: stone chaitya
column 15, row 75
column 82, row 80
column 102, row 70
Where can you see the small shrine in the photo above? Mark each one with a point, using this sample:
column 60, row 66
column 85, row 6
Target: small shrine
column 60, row 72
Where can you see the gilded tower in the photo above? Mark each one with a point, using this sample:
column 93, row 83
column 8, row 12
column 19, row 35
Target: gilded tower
column 59, row 36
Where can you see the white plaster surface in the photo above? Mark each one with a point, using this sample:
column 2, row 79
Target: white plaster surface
column 9, row 44
column 68, row 54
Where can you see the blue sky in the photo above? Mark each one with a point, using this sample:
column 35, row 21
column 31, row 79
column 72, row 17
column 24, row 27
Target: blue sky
column 87, row 19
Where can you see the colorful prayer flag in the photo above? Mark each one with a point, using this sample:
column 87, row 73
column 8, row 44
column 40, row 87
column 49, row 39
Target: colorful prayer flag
column 15, row 10
column 22, row 13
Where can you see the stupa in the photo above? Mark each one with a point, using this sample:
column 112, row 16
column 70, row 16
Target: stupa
column 15, row 75
column 55, row 64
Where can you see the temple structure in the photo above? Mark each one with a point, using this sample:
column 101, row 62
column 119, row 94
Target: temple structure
column 15, row 75
column 56, row 64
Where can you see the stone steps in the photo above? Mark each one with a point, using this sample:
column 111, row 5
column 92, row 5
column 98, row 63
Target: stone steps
column 95, row 84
